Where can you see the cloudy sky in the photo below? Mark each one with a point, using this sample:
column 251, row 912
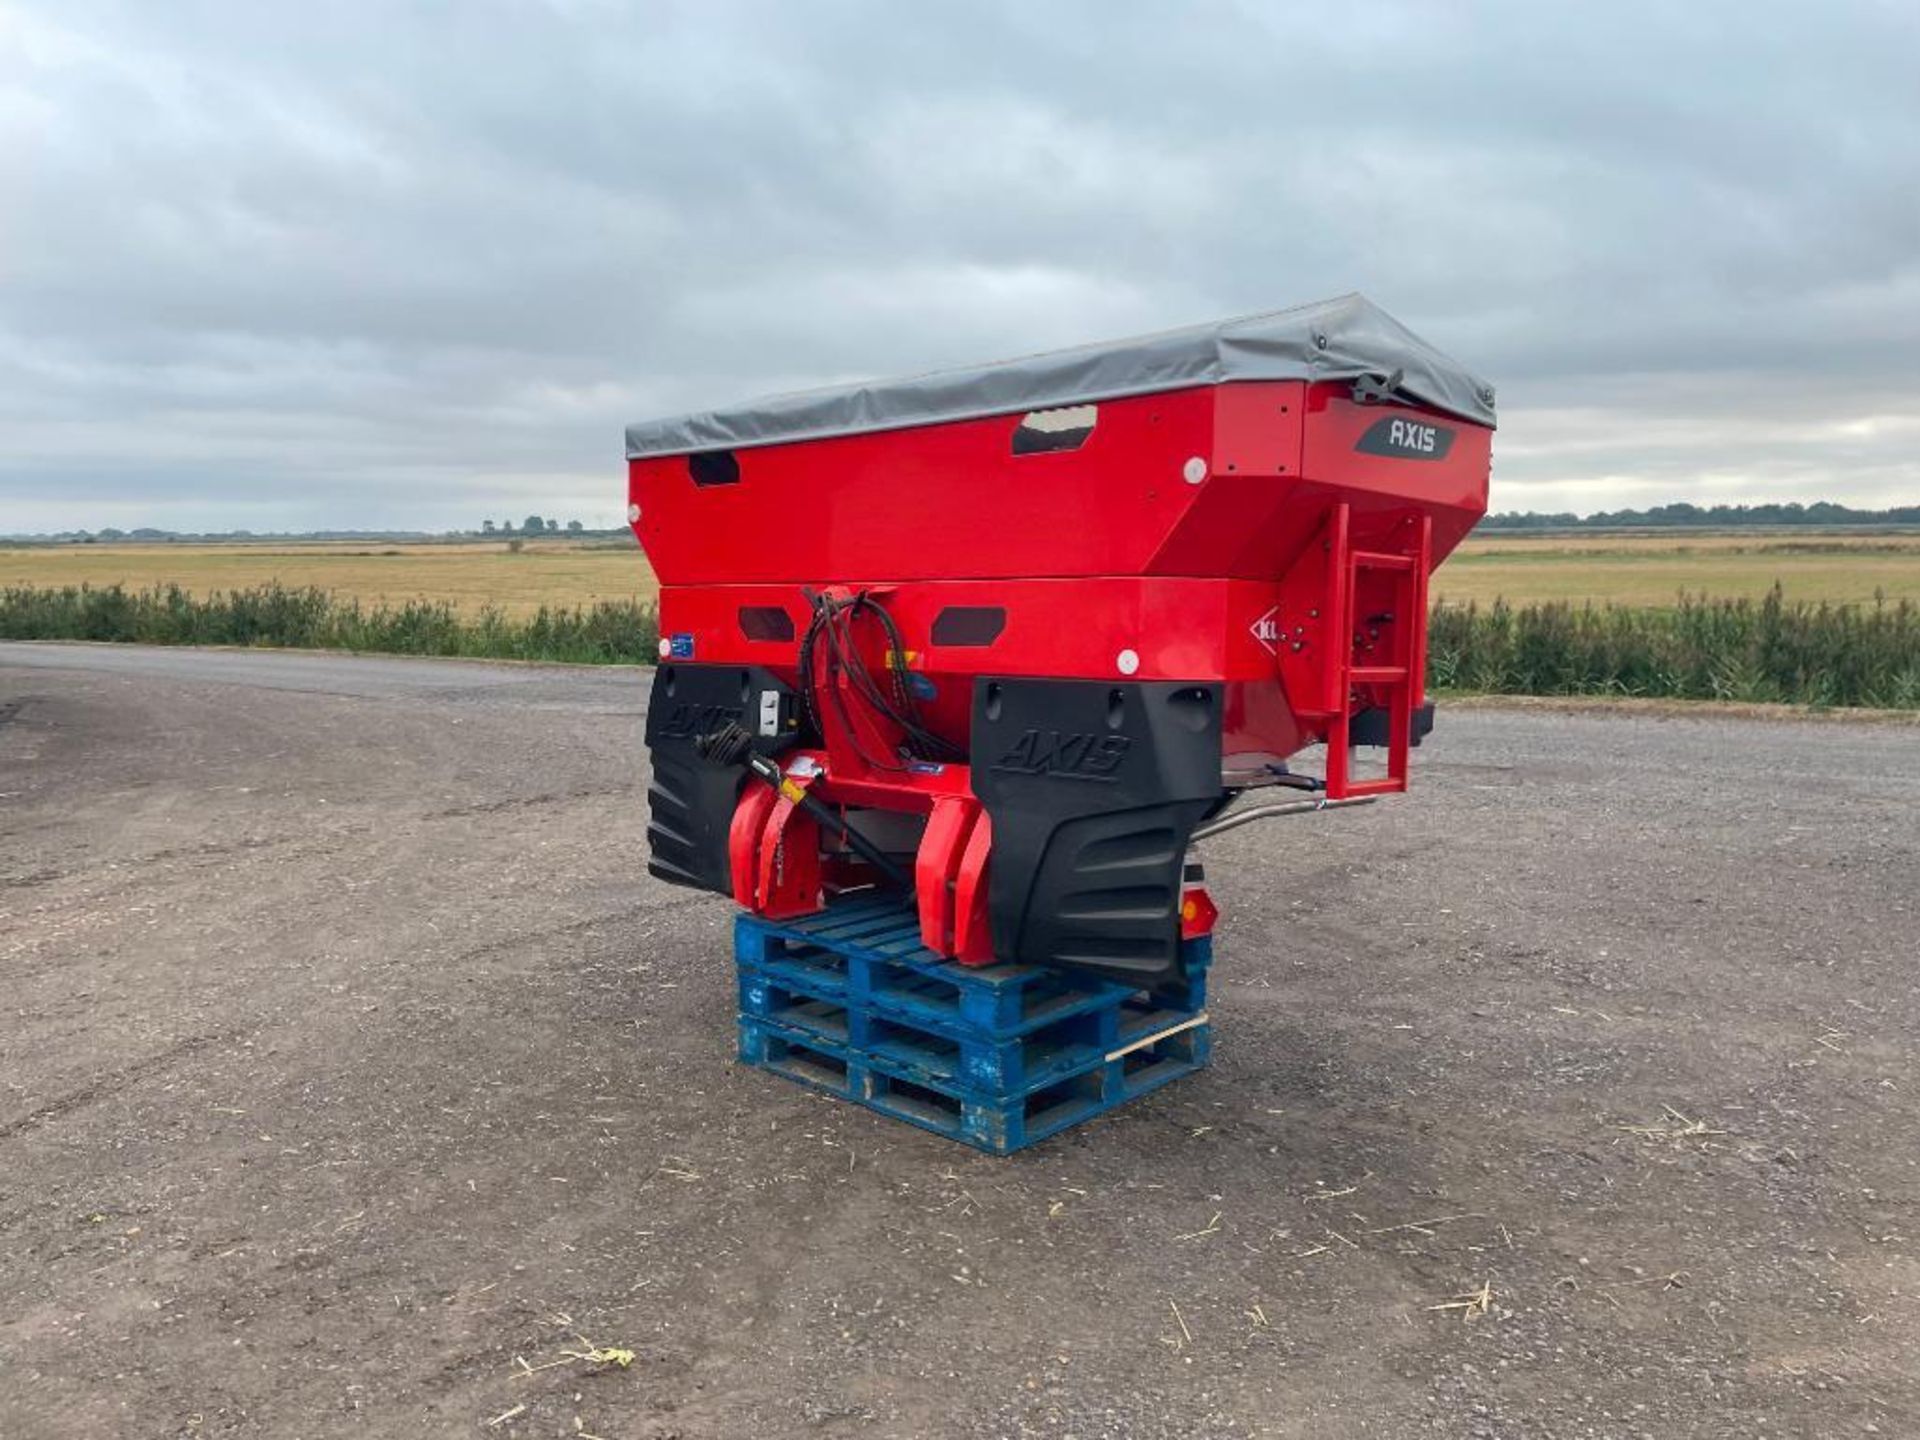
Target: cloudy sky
column 386, row 264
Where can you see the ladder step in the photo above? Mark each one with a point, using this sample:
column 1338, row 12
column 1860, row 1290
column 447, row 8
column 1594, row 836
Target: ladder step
column 1377, row 674
column 1386, row 785
column 1378, row 560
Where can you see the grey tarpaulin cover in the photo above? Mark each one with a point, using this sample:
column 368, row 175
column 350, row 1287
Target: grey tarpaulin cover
column 1341, row 339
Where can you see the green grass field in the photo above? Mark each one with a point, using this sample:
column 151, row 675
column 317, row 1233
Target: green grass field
column 1637, row 570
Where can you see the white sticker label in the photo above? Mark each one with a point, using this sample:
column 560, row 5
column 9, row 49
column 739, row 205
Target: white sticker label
column 769, row 712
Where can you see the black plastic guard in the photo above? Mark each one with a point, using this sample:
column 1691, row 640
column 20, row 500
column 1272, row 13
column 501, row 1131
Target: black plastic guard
column 691, row 800
column 1374, row 725
column 1093, row 789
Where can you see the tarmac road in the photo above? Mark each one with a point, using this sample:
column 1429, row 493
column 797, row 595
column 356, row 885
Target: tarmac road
column 351, row 1060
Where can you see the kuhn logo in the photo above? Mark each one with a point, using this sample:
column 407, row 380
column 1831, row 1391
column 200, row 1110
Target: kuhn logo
column 1065, row 755
column 1406, row 440
column 1267, row 630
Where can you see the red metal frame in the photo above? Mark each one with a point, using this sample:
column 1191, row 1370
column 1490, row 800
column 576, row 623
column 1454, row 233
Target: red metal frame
column 1239, row 534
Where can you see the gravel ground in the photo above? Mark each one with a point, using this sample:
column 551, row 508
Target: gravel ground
column 353, row 1065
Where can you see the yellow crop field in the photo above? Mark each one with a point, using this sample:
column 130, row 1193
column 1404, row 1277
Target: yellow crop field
column 1642, row 570
column 1653, row 570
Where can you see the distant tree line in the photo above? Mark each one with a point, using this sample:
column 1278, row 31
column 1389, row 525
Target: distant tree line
column 1672, row 517
column 532, row 525
column 109, row 534
column 1707, row 517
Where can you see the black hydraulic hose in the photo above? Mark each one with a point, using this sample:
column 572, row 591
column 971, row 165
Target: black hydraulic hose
column 768, row 771
column 732, row 745
column 833, row 621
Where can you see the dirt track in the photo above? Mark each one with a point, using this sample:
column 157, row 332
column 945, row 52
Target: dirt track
column 351, row 1057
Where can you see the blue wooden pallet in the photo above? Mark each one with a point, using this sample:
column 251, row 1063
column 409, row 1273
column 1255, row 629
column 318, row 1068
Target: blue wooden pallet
column 1080, row 1037
column 868, row 948
column 849, row 1001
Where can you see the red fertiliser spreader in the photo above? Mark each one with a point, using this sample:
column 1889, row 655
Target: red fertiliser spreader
column 1008, row 640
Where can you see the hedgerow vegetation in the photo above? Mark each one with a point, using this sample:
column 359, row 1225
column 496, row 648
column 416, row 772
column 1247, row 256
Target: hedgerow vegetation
column 604, row 633
column 1700, row 649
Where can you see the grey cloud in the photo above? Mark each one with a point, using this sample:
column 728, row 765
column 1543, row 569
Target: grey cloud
column 399, row 264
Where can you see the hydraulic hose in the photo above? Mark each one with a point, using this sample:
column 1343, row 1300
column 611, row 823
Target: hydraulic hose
column 1237, row 818
column 732, row 745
